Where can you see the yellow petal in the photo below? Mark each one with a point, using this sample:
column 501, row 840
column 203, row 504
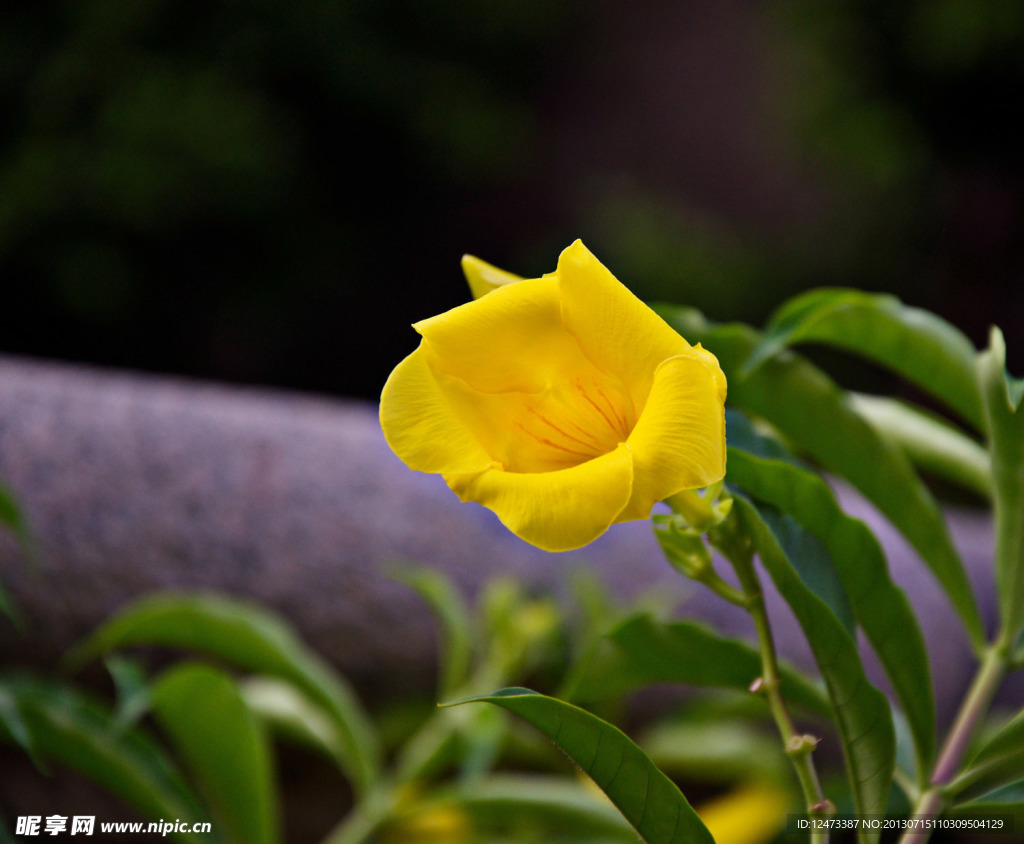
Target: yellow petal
column 712, row 361
column 511, row 339
column 754, row 814
column 618, row 332
column 419, row 425
column 556, row 511
column 679, row 440
column 543, row 431
column 483, row 277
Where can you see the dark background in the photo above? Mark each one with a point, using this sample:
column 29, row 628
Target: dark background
column 271, row 192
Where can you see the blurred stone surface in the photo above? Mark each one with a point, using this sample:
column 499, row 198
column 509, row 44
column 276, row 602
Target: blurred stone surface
column 134, row 483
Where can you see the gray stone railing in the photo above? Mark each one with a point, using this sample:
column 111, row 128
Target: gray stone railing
column 133, row 483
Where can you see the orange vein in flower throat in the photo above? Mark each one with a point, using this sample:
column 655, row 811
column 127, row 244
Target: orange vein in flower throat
column 565, row 434
column 621, row 429
column 545, row 441
column 572, row 423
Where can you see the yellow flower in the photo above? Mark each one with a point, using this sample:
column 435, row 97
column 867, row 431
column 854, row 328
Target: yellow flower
column 563, row 403
column 438, row 825
column 753, row 814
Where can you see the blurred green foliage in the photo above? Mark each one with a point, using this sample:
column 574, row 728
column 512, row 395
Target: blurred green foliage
column 196, row 740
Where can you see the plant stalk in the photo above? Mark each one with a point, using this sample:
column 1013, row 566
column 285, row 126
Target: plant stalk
column 362, row 822
column 798, row 746
column 994, row 665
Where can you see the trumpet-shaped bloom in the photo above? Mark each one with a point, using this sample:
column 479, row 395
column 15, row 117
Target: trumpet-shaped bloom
column 563, row 403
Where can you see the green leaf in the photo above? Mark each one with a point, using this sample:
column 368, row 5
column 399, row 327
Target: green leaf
column 1006, row 800
column 1004, row 804
column 132, row 688
column 1014, row 392
column 914, row 343
column 290, row 712
column 456, row 626
column 14, row 728
column 801, row 402
column 223, row 745
column 70, row 729
column 740, row 430
column 8, row 607
column 1006, row 442
column 250, row 639
column 982, row 779
column 10, row 516
column 998, row 762
column 644, row 651
column 880, row 607
column 861, row 711
column 929, row 442
column 648, row 799
column 812, row 564
column 716, row 750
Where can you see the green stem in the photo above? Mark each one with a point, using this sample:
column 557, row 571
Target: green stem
column 994, row 665
column 413, row 765
column 798, row 746
column 368, row 814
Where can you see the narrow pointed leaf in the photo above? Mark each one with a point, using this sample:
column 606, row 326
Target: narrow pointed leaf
column 253, row 640
column 1005, row 801
column 1006, row 440
column 930, row 443
column 813, row 413
column 132, row 687
column 812, row 563
column 14, row 728
column 73, row 731
column 643, row 651
column 861, row 711
column 721, row 749
column 10, row 514
column 10, row 517
column 879, row 605
column 290, row 712
column 999, row 761
column 7, row 606
column 740, row 430
column 224, row 746
column 984, row 777
column 914, row 343
column 648, row 799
